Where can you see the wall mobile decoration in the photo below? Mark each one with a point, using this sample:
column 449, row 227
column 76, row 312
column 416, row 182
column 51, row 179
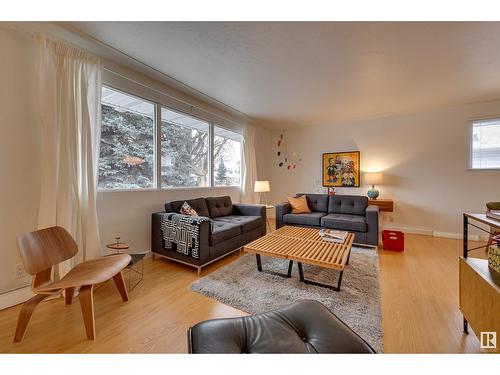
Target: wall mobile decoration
column 284, row 159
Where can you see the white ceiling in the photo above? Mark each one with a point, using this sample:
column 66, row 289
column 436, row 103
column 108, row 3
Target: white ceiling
column 288, row 74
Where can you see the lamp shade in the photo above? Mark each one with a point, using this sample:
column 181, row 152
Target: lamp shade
column 376, row 178
column 261, row 187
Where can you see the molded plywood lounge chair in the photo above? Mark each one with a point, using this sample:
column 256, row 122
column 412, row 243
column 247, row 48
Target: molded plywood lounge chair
column 43, row 249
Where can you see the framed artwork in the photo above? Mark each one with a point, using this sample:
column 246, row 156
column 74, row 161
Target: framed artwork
column 341, row 169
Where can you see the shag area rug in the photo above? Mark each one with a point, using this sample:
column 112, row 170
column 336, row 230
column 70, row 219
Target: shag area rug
column 241, row 286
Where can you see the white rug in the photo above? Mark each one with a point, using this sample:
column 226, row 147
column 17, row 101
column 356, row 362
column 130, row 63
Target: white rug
column 241, row 286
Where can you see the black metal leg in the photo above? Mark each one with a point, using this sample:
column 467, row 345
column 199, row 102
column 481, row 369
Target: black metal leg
column 466, row 326
column 310, row 282
column 348, row 256
column 259, row 268
column 259, row 262
column 466, row 239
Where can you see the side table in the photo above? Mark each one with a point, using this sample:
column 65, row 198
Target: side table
column 137, row 259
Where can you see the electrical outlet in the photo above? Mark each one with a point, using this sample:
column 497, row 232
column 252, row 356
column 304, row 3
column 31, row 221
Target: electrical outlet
column 20, row 272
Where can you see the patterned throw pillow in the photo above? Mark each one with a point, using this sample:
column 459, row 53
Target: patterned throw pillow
column 186, row 209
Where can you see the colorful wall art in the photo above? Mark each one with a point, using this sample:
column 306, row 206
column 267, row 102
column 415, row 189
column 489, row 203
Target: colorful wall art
column 341, row 169
column 285, row 160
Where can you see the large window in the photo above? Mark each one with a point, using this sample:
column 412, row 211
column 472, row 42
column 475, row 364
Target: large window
column 485, row 148
column 184, row 150
column 127, row 141
column 227, row 157
column 146, row 145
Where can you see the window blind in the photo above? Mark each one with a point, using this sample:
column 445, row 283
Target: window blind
column 485, row 148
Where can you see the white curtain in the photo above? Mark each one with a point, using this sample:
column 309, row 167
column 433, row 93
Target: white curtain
column 69, row 108
column 249, row 166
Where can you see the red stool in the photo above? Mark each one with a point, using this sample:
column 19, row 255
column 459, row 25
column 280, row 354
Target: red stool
column 393, row 240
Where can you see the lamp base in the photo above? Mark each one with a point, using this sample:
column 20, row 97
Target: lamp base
column 372, row 193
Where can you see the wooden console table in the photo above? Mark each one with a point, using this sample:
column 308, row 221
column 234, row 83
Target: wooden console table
column 386, row 205
column 479, row 286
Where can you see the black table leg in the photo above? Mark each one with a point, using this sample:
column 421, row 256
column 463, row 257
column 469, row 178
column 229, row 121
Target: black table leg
column 287, row 275
column 259, row 262
column 310, row 282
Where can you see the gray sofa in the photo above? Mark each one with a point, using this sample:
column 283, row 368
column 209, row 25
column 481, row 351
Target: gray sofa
column 234, row 225
column 351, row 213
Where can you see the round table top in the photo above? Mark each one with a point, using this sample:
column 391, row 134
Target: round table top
column 118, row 246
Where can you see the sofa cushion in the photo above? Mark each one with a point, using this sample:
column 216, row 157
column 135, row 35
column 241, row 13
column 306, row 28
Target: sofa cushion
column 198, row 204
column 248, row 223
column 223, row 230
column 219, row 206
column 312, row 218
column 347, row 204
column 316, row 202
column 344, row 222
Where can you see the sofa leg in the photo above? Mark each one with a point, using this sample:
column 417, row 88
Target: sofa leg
column 199, row 271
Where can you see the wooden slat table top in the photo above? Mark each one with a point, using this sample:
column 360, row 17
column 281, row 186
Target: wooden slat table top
column 303, row 245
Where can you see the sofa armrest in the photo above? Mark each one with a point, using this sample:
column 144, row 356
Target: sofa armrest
column 372, row 222
column 282, row 209
column 249, row 209
column 157, row 235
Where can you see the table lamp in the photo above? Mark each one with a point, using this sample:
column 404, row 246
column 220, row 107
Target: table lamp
column 375, row 178
column 261, row 187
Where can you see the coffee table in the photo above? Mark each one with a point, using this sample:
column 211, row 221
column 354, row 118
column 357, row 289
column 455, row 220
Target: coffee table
column 302, row 245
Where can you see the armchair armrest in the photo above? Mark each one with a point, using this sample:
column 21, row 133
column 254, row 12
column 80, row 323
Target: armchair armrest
column 282, row 209
column 372, row 222
column 249, row 209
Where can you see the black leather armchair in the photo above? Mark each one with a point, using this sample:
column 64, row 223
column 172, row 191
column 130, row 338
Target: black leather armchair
column 302, row 327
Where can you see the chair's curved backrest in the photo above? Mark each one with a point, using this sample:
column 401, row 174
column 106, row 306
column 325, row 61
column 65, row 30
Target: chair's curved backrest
column 45, row 248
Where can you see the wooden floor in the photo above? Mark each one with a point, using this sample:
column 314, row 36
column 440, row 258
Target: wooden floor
column 419, row 307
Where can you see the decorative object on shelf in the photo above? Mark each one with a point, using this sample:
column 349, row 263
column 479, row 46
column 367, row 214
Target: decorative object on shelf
column 263, row 187
column 494, row 258
column 284, row 160
column 493, row 212
column 341, row 169
column 373, row 179
column 331, row 191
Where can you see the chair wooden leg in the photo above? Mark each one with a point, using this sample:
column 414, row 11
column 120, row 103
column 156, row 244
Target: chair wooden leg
column 25, row 315
column 87, row 305
column 120, row 284
column 68, row 295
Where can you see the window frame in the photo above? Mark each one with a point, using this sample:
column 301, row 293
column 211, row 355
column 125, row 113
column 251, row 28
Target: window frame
column 212, row 126
column 155, row 112
column 158, row 105
column 471, row 140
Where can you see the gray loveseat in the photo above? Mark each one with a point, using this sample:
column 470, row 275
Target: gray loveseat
column 351, row 213
column 233, row 225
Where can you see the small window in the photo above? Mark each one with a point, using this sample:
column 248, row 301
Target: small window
column 227, row 157
column 485, row 148
column 127, row 141
column 184, row 150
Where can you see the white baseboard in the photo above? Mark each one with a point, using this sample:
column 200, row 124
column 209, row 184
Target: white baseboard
column 425, row 232
column 15, row 297
column 434, row 233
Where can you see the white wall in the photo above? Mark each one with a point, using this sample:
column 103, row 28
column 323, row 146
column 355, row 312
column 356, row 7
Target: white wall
column 19, row 151
column 424, row 157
